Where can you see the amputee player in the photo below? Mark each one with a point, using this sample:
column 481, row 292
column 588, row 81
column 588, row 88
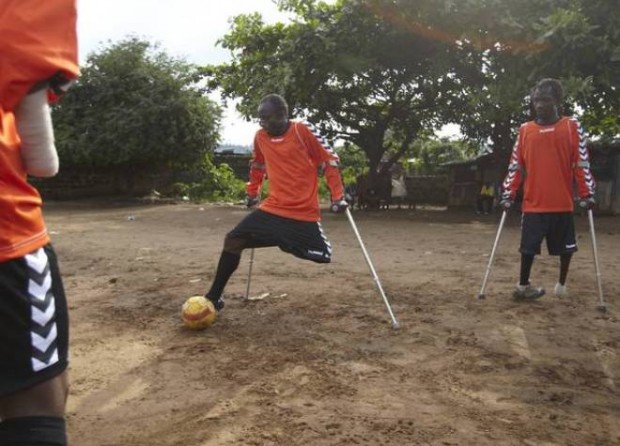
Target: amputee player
column 289, row 154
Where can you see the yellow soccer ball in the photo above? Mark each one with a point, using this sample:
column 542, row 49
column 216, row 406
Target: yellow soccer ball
column 198, row 313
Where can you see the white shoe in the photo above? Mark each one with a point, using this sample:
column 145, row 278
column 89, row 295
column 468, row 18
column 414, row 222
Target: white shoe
column 560, row 290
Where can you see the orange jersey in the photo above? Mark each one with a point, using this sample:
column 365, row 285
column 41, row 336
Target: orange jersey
column 291, row 162
column 553, row 158
column 38, row 42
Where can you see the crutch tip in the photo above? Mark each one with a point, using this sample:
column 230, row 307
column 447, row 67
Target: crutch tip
column 396, row 325
column 602, row 308
column 481, row 296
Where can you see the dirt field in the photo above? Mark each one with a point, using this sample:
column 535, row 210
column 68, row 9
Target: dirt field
column 317, row 362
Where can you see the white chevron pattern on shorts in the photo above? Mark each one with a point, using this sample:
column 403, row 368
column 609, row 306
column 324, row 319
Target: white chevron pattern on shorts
column 40, row 365
column 37, row 260
column 44, row 317
column 39, row 291
column 328, row 245
column 42, row 343
column 43, row 332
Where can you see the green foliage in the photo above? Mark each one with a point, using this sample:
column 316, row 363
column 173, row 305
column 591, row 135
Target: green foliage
column 575, row 41
column 136, row 107
column 352, row 67
column 380, row 74
column 432, row 155
column 353, row 162
column 214, row 183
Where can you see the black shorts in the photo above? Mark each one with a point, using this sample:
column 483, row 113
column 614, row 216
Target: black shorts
column 558, row 228
column 34, row 328
column 303, row 239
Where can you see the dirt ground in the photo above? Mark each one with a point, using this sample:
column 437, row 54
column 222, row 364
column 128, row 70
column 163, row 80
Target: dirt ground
column 317, row 361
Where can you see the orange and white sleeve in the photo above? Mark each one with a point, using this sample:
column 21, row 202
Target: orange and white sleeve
column 327, row 159
column 586, row 185
column 257, row 171
column 513, row 179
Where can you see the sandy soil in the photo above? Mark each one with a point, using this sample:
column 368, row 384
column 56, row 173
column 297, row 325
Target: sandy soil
column 317, row 362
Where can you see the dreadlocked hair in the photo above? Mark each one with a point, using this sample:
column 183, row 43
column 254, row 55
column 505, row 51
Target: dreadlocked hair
column 553, row 86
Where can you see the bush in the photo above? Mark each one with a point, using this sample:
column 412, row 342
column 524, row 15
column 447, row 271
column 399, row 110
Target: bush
column 217, row 183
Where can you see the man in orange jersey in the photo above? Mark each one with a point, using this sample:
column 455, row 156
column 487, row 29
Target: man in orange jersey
column 551, row 154
column 289, row 154
column 39, row 58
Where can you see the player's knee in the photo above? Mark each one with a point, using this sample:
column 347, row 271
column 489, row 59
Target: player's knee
column 234, row 245
column 33, row 431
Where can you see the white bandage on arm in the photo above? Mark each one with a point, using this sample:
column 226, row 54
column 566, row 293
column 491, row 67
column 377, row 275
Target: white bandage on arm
column 34, row 125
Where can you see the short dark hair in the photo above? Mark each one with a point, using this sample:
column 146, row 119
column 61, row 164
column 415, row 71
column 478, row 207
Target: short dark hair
column 277, row 101
column 553, row 86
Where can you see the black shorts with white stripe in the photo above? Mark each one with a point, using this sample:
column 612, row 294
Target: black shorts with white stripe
column 34, row 328
column 557, row 228
column 303, row 239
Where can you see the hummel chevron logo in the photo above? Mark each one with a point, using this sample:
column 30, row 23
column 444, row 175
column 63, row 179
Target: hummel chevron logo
column 42, row 343
column 40, row 365
column 37, row 260
column 39, row 291
column 44, row 317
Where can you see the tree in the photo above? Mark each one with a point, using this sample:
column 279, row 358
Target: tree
column 138, row 108
column 349, row 67
column 382, row 73
column 431, row 155
column 517, row 42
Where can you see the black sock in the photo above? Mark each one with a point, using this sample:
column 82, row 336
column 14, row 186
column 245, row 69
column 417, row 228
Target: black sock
column 526, row 267
column 564, row 265
column 33, row 431
column 225, row 268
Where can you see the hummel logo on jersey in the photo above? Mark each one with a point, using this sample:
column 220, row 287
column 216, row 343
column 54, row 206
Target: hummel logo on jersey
column 552, row 129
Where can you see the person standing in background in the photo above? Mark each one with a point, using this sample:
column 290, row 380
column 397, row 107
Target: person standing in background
column 550, row 156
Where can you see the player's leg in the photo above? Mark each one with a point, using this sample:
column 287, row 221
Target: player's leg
column 34, row 330
column 561, row 242
column 560, row 289
column 254, row 231
column 533, row 229
column 35, row 416
column 527, row 260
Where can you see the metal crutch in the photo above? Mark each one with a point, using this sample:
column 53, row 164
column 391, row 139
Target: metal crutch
column 395, row 324
column 247, row 289
column 495, row 243
column 602, row 306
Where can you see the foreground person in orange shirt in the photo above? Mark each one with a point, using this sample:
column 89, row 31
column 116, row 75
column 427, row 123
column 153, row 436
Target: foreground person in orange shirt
column 551, row 151
column 289, row 154
column 38, row 57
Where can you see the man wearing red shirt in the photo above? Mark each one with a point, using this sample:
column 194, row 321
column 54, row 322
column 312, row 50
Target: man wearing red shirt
column 38, row 57
column 289, row 154
column 550, row 155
